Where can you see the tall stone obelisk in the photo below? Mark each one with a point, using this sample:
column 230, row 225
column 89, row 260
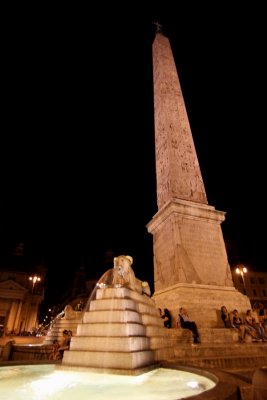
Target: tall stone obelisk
column 190, row 259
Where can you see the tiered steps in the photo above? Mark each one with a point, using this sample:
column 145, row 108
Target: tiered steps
column 60, row 324
column 223, row 357
column 122, row 331
column 221, row 349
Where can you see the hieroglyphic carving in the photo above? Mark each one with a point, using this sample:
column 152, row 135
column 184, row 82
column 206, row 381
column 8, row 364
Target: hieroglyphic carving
column 187, row 237
column 177, row 167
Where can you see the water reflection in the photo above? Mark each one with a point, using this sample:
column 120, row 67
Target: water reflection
column 44, row 382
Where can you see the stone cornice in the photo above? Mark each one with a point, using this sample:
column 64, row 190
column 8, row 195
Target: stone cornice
column 185, row 209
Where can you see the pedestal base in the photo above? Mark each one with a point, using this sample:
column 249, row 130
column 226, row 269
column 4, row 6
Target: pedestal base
column 203, row 302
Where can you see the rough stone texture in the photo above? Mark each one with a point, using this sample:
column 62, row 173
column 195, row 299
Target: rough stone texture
column 189, row 246
column 178, row 171
column 121, row 331
column 31, row 353
column 202, row 301
column 259, row 384
column 191, row 268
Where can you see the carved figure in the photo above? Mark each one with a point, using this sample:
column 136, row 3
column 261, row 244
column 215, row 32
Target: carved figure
column 69, row 313
column 123, row 275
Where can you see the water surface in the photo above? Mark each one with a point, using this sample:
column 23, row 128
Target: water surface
column 45, row 382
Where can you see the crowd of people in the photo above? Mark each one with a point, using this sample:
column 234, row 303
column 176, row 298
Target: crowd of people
column 254, row 323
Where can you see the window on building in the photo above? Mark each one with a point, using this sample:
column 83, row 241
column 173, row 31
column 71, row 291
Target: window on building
column 254, row 292
column 264, row 293
column 252, row 280
column 262, row 281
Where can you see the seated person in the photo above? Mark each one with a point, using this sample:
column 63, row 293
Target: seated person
column 166, row 316
column 243, row 328
column 79, row 306
column 186, row 323
column 65, row 342
column 249, row 322
column 226, row 317
column 55, row 354
column 238, row 324
column 263, row 318
column 257, row 324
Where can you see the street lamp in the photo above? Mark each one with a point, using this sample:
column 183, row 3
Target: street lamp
column 242, row 271
column 34, row 279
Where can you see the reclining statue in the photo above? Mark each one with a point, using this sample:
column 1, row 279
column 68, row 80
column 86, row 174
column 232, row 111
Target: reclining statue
column 123, row 276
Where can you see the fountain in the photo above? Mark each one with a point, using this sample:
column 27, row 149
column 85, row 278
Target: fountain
column 121, row 327
column 116, row 351
column 44, row 382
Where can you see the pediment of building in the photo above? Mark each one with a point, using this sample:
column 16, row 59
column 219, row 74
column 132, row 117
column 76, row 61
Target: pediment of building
column 12, row 285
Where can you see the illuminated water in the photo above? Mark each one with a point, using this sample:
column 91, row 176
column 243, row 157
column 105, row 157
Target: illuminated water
column 41, row 382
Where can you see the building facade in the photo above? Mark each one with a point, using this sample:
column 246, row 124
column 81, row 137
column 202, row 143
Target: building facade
column 252, row 283
column 20, row 298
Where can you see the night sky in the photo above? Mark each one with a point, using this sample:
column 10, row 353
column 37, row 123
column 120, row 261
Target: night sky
column 77, row 143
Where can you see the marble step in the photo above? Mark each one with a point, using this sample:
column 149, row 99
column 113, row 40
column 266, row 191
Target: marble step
column 227, row 362
column 108, row 360
column 200, row 351
column 108, row 330
column 120, row 344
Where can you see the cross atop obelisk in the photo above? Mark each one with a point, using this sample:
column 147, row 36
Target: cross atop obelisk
column 158, row 26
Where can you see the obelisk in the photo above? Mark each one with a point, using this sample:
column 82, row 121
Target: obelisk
column 191, row 268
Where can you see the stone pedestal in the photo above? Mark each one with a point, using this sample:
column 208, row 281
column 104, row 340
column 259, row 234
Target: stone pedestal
column 190, row 262
column 203, row 302
column 189, row 246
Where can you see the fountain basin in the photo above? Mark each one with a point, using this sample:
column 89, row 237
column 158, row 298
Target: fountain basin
column 48, row 381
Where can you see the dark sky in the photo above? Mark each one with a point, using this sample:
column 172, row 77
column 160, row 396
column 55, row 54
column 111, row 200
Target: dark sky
column 77, row 142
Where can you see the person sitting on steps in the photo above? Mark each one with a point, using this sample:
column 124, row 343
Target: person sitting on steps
column 243, row 328
column 226, row 317
column 65, row 342
column 186, row 323
column 55, row 355
column 167, row 319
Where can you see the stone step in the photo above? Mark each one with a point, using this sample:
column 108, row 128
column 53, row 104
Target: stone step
column 227, row 362
column 117, row 316
column 60, row 325
column 148, row 319
column 109, row 330
column 219, row 335
column 121, row 344
column 200, row 351
column 108, row 360
column 125, row 293
column 113, row 304
column 98, row 316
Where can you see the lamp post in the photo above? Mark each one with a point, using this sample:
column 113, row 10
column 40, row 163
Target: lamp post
column 241, row 271
column 30, row 314
column 34, row 279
